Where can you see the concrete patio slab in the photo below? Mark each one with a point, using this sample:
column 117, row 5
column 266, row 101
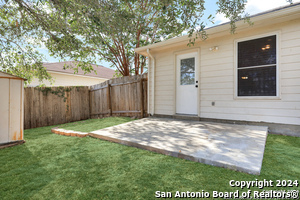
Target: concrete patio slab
column 237, row 147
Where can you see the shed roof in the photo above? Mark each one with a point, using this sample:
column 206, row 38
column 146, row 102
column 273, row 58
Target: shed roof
column 102, row 72
column 273, row 16
column 9, row 76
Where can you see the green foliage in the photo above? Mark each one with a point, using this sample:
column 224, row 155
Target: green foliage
column 234, row 10
column 59, row 91
column 117, row 74
column 19, row 39
column 85, row 30
column 91, row 30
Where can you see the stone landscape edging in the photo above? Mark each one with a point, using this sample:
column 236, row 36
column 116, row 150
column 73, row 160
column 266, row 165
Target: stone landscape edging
column 61, row 131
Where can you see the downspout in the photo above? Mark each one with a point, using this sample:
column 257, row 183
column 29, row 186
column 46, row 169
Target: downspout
column 153, row 83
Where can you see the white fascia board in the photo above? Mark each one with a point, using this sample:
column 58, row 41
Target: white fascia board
column 271, row 17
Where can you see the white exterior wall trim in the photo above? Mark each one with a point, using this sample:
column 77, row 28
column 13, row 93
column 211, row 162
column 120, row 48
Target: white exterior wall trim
column 153, row 82
column 198, row 75
column 235, row 61
column 148, row 84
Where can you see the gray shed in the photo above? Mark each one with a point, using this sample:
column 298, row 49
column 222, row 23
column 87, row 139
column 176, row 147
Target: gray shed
column 11, row 108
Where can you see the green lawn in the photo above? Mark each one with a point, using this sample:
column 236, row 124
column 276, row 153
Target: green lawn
column 95, row 124
column 50, row 166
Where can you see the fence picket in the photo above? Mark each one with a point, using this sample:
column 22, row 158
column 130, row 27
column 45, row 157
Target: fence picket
column 125, row 96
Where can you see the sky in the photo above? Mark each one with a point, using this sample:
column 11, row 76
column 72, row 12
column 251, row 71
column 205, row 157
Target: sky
column 252, row 7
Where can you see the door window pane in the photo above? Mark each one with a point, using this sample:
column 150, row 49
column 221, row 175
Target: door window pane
column 187, row 71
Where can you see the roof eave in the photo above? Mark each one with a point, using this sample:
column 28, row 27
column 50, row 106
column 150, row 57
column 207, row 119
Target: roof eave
column 225, row 28
column 13, row 76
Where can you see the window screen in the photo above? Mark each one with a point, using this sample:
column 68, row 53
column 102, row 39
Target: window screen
column 257, row 67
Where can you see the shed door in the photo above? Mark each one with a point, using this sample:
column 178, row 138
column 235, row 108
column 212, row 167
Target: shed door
column 4, row 109
column 187, row 84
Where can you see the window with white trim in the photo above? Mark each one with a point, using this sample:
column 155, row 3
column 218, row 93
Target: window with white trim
column 256, row 67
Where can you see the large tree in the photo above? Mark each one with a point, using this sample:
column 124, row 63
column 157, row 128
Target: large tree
column 110, row 30
column 87, row 30
column 18, row 53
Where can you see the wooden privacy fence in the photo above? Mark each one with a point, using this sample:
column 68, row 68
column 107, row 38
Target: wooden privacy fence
column 56, row 105
column 125, row 96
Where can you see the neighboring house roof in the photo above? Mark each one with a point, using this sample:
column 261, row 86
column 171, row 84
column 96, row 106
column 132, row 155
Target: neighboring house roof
column 273, row 16
column 102, row 72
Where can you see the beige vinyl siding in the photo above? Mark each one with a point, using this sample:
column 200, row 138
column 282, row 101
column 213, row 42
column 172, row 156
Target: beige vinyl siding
column 164, row 83
column 217, row 78
column 218, row 83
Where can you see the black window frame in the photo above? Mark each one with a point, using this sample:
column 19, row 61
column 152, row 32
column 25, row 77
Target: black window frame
column 238, row 69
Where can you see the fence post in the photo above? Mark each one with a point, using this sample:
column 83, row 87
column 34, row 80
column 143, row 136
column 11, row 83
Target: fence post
column 68, row 106
column 90, row 102
column 109, row 99
column 142, row 97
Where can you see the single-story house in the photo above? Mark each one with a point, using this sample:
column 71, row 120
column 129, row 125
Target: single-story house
column 67, row 77
column 250, row 77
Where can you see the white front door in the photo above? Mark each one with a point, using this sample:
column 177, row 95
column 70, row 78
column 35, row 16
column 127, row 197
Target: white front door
column 187, row 84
